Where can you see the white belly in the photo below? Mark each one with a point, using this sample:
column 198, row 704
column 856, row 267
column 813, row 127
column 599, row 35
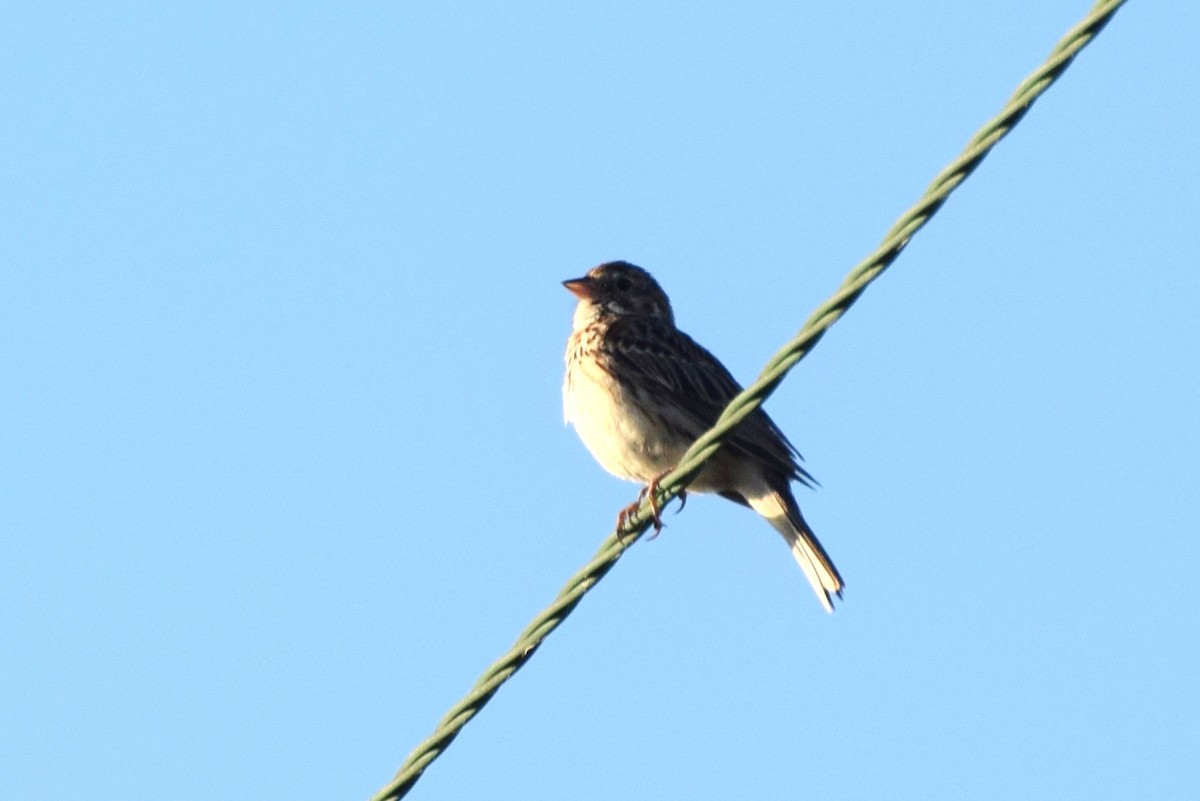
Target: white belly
column 623, row 440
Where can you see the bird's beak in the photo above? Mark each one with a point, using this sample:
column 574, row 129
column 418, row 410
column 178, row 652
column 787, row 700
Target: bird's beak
column 582, row 288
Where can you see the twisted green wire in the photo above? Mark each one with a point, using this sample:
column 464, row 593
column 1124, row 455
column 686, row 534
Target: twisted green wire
column 752, row 397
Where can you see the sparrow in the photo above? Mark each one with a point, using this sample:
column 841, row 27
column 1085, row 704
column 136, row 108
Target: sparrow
column 639, row 391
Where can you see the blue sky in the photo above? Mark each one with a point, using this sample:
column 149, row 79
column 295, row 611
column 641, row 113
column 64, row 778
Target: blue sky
column 282, row 448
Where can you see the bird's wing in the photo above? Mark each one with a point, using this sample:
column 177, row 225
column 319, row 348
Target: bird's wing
column 662, row 359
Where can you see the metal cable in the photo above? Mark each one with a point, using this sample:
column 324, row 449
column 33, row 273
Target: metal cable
column 753, row 396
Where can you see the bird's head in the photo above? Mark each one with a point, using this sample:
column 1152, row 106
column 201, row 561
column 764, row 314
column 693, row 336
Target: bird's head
column 620, row 289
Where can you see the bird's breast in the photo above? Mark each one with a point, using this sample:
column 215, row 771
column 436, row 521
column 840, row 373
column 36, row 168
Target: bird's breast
column 623, row 435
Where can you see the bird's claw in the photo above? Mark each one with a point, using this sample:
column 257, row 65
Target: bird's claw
column 650, row 491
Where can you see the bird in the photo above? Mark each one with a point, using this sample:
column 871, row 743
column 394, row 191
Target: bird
column 639, row 391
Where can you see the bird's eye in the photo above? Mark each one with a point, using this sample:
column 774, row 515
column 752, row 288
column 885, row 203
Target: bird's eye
column 624, row 284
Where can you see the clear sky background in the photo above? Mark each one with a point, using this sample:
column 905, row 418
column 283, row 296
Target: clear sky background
column 282, row 461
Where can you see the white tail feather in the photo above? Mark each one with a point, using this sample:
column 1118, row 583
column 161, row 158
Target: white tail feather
column 819, row 571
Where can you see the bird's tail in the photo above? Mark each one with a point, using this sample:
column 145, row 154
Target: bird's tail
column 783, row 514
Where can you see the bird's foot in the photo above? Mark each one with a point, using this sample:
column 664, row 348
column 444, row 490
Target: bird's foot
column 649, row 491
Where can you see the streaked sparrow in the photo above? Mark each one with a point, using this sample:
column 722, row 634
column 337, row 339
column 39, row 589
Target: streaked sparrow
column 639, row 392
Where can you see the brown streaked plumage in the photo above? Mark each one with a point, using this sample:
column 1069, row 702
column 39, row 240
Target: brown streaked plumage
column 639, row 392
